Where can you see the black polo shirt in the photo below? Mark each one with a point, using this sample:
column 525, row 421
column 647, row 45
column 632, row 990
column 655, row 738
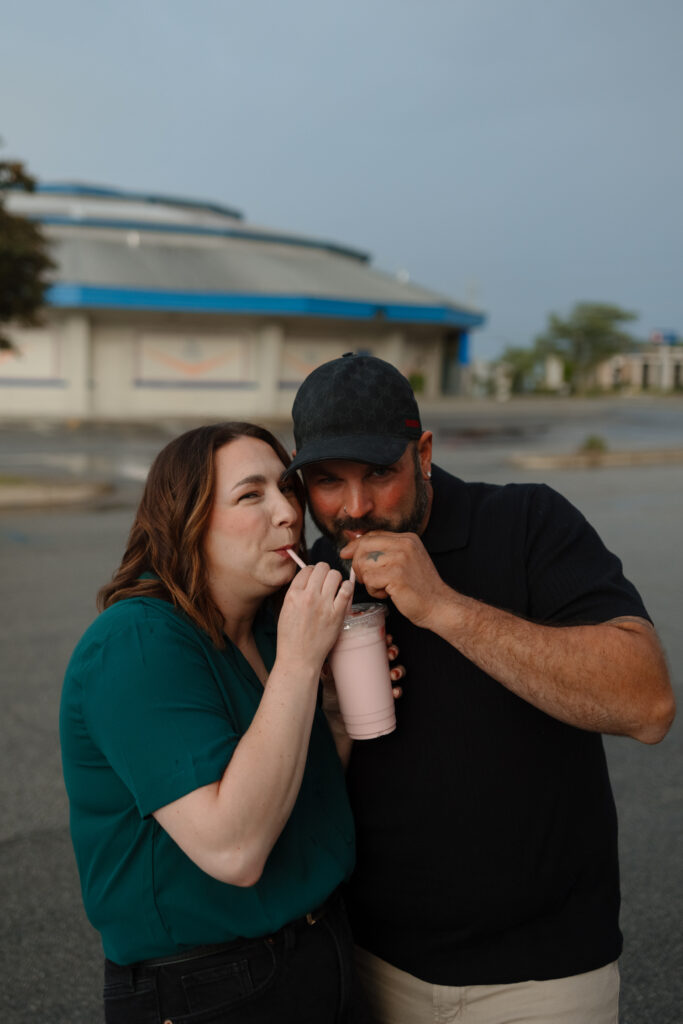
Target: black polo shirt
column 486, row 830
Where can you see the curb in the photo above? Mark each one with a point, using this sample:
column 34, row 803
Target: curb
column 40, row 495
column 596, row 460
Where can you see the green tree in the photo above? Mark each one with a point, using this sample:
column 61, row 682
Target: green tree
column 591, row 333
column 24, row 257
column 523, row 366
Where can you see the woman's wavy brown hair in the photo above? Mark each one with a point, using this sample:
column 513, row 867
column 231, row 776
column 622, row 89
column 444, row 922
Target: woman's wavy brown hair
column 167, row 535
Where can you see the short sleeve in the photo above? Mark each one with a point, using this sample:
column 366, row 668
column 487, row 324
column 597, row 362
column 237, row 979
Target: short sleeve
column 153, row 706
column 572, row 577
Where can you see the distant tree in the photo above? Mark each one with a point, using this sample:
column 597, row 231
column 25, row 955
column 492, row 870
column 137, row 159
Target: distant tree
column 522, row 367
column 24, row 257
column 590, row 334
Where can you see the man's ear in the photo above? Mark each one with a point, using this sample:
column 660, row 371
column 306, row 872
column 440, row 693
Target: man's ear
column 293, row 453
column 424, row 451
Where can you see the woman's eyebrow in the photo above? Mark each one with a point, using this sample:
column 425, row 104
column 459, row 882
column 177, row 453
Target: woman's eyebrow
column 257, row 478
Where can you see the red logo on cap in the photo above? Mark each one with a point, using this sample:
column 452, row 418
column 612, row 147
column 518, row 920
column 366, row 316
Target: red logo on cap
column 412, row 423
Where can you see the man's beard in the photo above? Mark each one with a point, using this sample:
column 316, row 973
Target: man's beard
column 411, row 523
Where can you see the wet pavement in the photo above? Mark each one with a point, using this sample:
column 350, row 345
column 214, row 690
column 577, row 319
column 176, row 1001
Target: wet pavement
column 53, row 560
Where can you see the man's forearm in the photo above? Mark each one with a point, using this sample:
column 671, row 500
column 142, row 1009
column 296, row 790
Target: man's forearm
column 608, row 678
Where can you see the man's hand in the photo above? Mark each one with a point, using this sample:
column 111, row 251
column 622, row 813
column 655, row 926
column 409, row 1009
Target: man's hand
column 610, row 677
column 396, row 565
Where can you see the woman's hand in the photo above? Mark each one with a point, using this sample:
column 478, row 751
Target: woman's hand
column 312, row 615
column 397, row 671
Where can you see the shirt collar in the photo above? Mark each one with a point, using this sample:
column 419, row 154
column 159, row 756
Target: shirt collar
column 449, row 520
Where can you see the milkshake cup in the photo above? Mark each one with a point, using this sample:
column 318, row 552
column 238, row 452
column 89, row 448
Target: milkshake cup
column 361, row 673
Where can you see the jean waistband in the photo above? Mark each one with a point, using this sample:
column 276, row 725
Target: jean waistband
column 198, row 952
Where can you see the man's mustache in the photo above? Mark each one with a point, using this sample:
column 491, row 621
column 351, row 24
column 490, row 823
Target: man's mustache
column 363, row 524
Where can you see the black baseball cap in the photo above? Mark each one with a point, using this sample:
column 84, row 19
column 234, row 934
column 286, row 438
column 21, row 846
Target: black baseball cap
column 357, row 407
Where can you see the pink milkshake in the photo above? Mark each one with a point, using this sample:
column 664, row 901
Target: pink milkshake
column 361, row 673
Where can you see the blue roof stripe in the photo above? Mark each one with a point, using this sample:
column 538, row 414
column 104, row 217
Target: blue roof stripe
column 190, row 229
column 67, row 188
column 96, row 296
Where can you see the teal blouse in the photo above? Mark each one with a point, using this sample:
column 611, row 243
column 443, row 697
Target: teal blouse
column 150, row 711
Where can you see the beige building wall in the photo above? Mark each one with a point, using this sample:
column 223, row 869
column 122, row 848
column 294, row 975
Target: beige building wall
column 659, row 368
column 124, row 367
column 36, row 378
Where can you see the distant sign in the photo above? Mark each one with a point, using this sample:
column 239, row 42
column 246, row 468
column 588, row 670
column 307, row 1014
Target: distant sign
column 664, row 337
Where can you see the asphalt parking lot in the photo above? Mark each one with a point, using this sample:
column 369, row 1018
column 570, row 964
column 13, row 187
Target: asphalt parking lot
column 53, row 560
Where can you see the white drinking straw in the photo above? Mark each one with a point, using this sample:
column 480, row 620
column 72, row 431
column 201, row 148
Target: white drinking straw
column 352, row 581
column 293, row 555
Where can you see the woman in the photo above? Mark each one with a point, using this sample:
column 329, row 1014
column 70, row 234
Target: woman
column 208, row 809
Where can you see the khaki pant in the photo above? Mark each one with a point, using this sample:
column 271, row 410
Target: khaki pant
column 399, row 998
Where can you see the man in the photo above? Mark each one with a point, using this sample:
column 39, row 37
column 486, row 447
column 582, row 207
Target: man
column 486, row 886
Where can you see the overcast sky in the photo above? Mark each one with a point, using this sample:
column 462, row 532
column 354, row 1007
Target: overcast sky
column 519, row 154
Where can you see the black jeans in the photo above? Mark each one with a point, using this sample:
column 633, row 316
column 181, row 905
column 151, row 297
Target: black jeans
column 303, row 974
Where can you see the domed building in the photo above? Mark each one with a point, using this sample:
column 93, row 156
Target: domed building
column 167, row 307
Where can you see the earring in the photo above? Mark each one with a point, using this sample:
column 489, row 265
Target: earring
column 346, row 512
column 429, row 474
